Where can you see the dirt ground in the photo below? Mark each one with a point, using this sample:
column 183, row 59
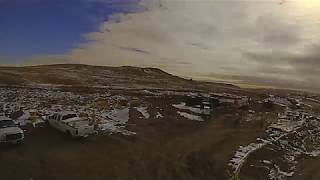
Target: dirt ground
column 162, row 149
column 168, row 148
column 309, row 169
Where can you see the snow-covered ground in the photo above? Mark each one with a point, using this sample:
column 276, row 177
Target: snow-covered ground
column 190, row 116
column 143, row 111
column 109, row 112
column 281, row 101
column 33, row 106
column 120, row 116
column 159, row 115
column 293, row 138
column 197, row 110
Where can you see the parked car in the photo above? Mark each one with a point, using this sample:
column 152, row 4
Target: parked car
column 10, row 132
column 72, row 124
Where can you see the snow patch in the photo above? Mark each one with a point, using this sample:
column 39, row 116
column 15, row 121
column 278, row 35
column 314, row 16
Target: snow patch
column 159, row 115
column 144, row 112
column 190, row 116
column 119, row 115
column 183, row 106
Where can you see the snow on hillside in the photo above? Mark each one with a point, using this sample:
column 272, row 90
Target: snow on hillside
column 98, row 76
column 291, row 139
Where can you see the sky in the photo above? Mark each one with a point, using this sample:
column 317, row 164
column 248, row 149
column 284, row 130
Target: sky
column 264, row 42
column 47, row 27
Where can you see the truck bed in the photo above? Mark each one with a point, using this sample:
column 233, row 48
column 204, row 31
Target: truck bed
column 76, row 123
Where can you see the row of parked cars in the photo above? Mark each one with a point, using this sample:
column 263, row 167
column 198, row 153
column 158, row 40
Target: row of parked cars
column 67, row 122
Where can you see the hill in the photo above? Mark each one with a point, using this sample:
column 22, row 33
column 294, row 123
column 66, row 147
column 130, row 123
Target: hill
column 98, row 76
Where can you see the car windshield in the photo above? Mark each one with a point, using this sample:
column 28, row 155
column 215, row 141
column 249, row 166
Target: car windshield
column 69, row 116
column 7, row 123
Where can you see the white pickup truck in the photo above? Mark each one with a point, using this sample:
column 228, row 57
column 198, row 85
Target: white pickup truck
column 10, row 132
column 71, row 123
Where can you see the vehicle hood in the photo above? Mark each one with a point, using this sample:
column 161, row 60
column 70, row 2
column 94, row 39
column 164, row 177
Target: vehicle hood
column 11, row 130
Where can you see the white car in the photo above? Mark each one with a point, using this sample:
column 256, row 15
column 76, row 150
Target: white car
column 10, row 132
column 71, row 123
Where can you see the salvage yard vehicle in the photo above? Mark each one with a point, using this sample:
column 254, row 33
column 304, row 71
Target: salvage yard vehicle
column 10, row 132
column 71, row 123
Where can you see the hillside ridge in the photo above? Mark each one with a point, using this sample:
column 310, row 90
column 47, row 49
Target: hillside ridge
column 92, row 75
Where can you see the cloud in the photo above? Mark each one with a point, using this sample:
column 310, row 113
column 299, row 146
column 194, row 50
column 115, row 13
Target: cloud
column 134, row 50
column 294, row 67
column 249, row 39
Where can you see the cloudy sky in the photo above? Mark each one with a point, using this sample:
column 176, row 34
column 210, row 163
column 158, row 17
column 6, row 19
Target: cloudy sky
column 265, row 42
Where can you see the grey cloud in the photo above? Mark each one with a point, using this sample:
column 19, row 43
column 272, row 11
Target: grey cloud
column 200, row 45
column 303, row 66
column 134, row 50
column 275, row 33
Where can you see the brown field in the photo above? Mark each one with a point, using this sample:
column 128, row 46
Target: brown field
column 162, row 149
column 169, row 148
